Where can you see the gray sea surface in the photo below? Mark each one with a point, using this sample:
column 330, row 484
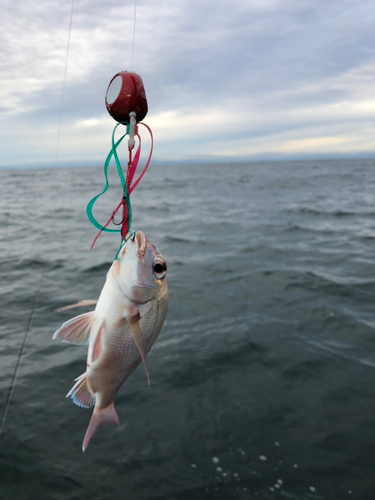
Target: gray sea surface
column 263, row 377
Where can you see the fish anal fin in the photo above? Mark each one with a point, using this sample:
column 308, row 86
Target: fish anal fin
column 98, row 344
column 136, row 332
column 100, row 416
column 81, row 394
column 76, row 330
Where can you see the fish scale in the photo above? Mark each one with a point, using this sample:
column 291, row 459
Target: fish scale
column 121, row 352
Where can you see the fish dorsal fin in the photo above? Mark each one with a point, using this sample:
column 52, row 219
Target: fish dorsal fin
column 136, row 332
column 77, row 330
column 79, row 304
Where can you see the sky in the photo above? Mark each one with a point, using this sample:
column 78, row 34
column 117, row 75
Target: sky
column 226, row 80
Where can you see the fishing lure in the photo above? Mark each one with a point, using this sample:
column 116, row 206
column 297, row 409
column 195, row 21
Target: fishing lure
column 126, row 102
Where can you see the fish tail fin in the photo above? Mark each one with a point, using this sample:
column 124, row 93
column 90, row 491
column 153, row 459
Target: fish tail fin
column 106, row 415
column 81, row 393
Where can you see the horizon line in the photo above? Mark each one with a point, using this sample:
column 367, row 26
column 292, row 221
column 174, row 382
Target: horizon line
column 267, row 158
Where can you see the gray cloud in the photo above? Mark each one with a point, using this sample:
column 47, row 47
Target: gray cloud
column 262, row 73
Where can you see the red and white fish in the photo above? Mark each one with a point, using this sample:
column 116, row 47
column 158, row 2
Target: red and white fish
column 127, row 320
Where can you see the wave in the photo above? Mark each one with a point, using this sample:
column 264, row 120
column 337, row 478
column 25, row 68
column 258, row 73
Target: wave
column 17, row 265
column 99, row 269
column 309, row 277
column 178, row 239
column 324, row 345
column 335, row 213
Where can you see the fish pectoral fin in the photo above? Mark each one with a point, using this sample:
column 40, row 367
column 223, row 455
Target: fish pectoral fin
column 79, row 304
column 136, row 332
column 76, row 330
column 81, row 394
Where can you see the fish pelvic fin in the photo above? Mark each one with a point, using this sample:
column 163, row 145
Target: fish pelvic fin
column 81, row 393
column 106, row 415
column 136, row 332
column 76, row 330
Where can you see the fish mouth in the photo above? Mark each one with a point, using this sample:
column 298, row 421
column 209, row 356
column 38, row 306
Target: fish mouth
column 141, row 241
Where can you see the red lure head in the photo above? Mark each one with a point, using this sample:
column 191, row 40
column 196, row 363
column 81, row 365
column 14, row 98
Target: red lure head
column 126, row 93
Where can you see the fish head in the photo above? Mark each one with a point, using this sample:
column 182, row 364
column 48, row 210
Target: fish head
column 141, row 270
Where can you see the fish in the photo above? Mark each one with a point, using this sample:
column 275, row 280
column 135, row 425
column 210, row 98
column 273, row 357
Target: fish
column 120, row 332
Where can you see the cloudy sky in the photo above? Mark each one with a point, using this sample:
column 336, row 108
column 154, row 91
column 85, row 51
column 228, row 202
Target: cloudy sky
column 225, row 79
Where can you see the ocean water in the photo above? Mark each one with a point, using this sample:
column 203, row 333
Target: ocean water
column 263, row 377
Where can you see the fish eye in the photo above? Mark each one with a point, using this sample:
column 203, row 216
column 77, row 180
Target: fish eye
column 160, row 269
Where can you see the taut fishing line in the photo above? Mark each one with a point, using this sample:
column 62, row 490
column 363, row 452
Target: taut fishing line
column 23, row 345
column 64, row 84
column 22, row 349
column 135, row 17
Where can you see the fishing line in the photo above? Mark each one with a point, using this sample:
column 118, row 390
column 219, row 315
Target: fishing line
column 22, row 349
column 64, row 84
column 135, row 16
column 23, row 345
